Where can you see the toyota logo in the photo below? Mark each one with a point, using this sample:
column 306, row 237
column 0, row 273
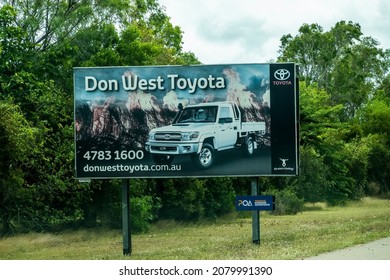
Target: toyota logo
column 167, row 136
column 282, row 74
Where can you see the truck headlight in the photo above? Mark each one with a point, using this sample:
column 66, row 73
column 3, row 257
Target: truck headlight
column 187, row 136
column 152, row 136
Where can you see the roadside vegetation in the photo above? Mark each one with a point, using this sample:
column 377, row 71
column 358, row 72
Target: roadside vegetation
column 317, row 230
column 344, row 140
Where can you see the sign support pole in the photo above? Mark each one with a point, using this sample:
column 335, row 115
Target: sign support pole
column 255, row 215
column 126, row 226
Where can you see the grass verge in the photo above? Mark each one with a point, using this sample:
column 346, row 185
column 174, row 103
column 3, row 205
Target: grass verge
column 317, row 230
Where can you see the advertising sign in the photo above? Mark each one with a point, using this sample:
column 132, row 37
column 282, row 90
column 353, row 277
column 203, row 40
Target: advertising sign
column 257, row 202
column 186, row 121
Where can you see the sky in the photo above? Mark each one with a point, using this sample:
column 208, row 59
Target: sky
column 249, row 31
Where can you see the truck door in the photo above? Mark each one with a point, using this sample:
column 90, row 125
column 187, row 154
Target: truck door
column 227, row 133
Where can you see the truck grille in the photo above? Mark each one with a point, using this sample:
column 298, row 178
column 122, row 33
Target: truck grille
column 168, row 136
column 163, row 149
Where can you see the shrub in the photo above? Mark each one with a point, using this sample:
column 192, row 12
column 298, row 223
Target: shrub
column 181, row 199
column 219, row 197
column 286, row 202
column 141, row 212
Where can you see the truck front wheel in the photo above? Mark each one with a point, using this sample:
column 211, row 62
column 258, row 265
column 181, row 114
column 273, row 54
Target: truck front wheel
column 206, row 158
column 162, row 159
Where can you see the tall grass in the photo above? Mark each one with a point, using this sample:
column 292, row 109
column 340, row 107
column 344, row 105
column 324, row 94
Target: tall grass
column 317, row 230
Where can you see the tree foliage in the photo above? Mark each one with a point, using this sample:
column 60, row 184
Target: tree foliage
column 344, row 109
column 341, row 61
column 17, row 140
column 40, row 43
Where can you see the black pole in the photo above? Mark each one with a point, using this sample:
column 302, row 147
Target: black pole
column 255, row 215
column 126, row 226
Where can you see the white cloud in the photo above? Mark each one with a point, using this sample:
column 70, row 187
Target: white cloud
column 230, row 31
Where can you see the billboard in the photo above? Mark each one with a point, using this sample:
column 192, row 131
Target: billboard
column 186, row 121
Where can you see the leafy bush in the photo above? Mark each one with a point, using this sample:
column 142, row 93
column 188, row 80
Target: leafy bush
column 181, row 199
column 219, row 197
column 286, row 202
column 141, row 212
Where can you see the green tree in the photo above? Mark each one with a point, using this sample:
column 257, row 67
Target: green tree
column 219, row 197
column 343, row 62
column 379, row 167
column 40, row 43
column 342, row 70
column 375, row 122
column 319, row 123
column 17, row 140
column 317, row 115
column 87, row 33
column 181, row 199
column 313, row 180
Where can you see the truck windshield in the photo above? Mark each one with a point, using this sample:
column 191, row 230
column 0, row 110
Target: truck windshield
column 198, row 114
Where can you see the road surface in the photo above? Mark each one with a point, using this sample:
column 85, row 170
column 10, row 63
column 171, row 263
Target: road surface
column 377, row 250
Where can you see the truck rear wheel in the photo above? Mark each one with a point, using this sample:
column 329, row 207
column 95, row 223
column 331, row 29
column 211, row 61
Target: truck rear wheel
column 162, row 159
column 206, row 158
column 249, row 147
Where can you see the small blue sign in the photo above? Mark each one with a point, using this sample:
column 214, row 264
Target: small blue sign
column 255, row 202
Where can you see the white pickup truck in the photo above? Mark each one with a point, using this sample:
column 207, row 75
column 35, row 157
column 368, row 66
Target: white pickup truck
column 202, row 131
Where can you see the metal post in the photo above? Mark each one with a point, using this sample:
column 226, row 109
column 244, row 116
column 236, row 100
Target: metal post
column 126, row 226
column 255, row 215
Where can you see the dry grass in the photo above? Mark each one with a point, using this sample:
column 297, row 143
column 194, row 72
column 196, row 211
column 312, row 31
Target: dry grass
column 317, row 230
